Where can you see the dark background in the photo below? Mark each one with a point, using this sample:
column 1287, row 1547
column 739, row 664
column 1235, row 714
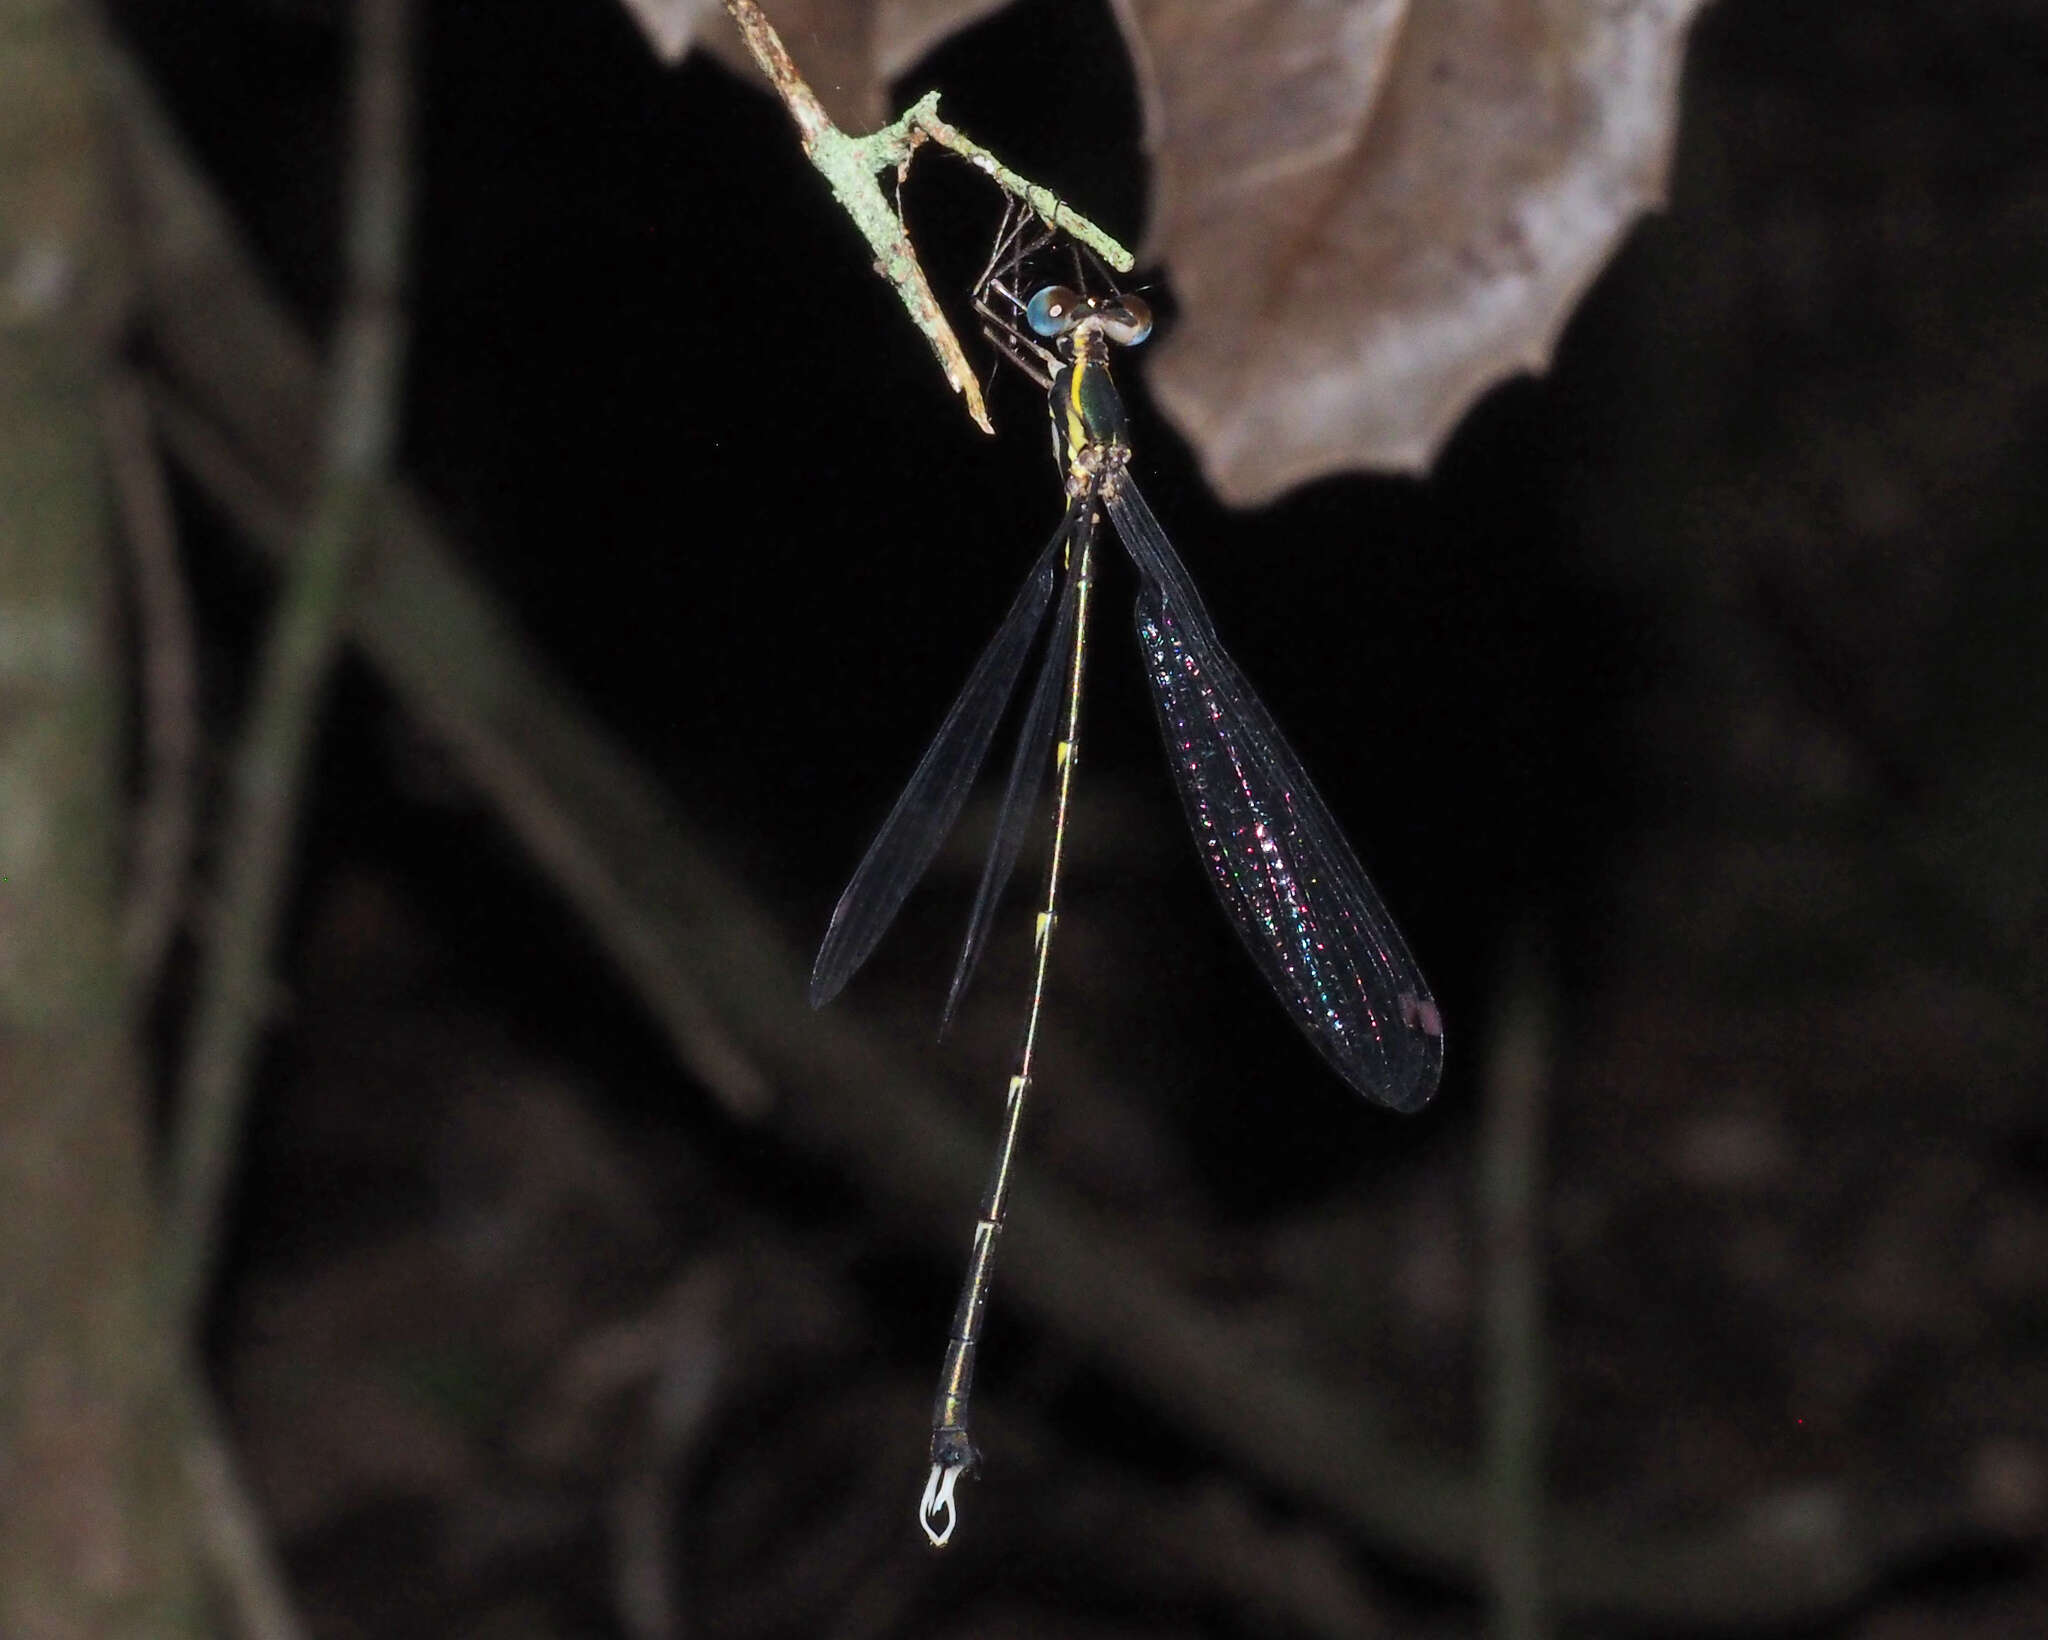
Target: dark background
column 1706, row 665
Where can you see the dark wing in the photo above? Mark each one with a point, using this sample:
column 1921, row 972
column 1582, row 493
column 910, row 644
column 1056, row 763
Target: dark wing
column 1027, row 768
column 1312, row 922
column 909, row 839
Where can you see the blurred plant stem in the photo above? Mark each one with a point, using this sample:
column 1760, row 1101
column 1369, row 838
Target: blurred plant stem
column 92, row 1518
column 298, row 654
column 1513, row 1364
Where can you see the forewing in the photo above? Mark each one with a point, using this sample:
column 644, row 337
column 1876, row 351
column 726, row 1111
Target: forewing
column 910, row 838
column 1312, row 921
column 1028, row 769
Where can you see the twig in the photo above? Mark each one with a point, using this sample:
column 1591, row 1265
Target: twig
column 922, row 119
column 298, row 652
column 1512, row 1366
column 577, row 862
column 685, row 1386
column 164, row 825
column 230, row 1531
column 851, row 165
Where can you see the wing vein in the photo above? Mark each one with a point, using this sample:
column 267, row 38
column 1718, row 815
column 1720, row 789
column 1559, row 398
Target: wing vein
column 1028, row 768
column 909, row 839
column 1289, row 882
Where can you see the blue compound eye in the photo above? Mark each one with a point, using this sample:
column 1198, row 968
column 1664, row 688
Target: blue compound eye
column 1128, row 322
column 1051, row 312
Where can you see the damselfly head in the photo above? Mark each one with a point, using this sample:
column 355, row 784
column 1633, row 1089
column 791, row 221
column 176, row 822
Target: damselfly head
column 1057, row 311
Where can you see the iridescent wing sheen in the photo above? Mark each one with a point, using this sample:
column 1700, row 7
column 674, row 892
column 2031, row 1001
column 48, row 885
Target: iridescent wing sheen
column 904, row 848
column 1313, row 923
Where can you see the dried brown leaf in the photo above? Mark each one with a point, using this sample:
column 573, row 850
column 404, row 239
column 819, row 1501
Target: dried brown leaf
column 1372, row 212
column 671, row 25
column 849, row 50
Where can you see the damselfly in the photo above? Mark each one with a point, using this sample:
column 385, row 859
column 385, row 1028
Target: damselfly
column 1289, row 881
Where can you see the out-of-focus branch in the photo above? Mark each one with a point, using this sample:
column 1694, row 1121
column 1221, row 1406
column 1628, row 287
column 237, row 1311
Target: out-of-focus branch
column 851, row 164
column 93, row 1538
column 688, row 1360
column 1513, row 1372
column 269, row 775
column 238, row 1549
column 164, row 825
column 298, row 653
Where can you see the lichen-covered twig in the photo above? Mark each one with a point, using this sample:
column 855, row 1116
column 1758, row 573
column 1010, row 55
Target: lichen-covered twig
column 922, row 121
column 852, row 165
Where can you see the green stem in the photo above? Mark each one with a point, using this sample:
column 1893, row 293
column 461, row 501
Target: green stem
column 851, row 165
